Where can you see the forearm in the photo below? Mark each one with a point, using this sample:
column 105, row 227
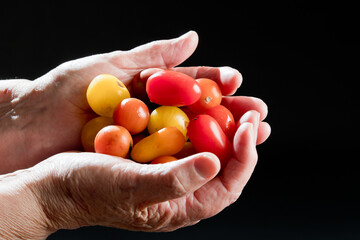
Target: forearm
column 21, row 216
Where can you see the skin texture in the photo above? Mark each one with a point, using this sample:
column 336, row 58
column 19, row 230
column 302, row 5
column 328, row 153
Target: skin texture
column 59, row 187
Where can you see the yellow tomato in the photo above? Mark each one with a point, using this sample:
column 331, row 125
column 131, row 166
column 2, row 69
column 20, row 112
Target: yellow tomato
column 90, row 129
column 168, row 116
column 104, row 93
column 166, row 141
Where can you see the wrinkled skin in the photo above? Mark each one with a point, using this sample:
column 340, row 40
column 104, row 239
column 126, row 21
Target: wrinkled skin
column 42, row 120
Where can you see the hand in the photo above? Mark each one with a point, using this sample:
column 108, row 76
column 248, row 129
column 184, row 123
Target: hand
column 82, row 189
column 76, row 189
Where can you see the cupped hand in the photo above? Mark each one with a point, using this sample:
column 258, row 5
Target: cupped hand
column 76, row 189
column 46, row 116
column 80, row 189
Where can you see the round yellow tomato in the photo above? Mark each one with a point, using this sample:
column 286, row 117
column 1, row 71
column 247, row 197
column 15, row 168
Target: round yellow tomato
column 104, row 93
column 168, row 116
column 90, row 129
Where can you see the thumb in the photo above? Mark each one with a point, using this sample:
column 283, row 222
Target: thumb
column 164, row 53
column 176, row 179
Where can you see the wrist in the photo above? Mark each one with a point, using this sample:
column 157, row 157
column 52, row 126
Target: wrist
column 21, row 215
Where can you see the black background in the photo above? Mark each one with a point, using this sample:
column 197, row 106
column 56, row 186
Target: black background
column 301, row 58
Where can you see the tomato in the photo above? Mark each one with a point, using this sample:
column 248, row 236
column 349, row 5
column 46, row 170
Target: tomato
column 133, row 114
column 113, row 140
column 168, row 116
column 90, row 129
column 163, row 159
column 172, row 88
column 224, row 118
column 139, row 88
column 104, row 93
column 166, row 141
column 210, row 96
column 206, row 136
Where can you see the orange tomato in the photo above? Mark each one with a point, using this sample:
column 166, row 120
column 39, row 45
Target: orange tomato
column 163, row 159
column 113, row 140
column 90, row 129
column 133, row 114
column 210, row 96
column 166, row 141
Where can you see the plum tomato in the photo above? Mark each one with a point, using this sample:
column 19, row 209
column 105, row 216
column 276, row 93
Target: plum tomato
column 168, row 116
column 210, row 96
column 224, row 118
column 113, row 140
column 206, row 136
column 104, row 93
column 166, row 141
column 172, row 88
column 133, row 114
column 90, row 129
column 163, row 159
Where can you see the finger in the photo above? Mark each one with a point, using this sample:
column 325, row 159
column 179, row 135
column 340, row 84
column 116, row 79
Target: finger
column 162, row 53
column 263, row 128
column 253, row 117
column 228, row 79
column 239, row 105
column 263, row 132
column 238, row 170
column 162, row 182
column 223, row 190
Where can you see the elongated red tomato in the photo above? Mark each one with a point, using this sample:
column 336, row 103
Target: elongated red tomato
column 206, row 136
column 172, row 88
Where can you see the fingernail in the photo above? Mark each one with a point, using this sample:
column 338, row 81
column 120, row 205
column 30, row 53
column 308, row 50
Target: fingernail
column 226, row 74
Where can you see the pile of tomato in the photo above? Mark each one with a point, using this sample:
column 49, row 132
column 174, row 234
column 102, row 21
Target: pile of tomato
column 170, row 116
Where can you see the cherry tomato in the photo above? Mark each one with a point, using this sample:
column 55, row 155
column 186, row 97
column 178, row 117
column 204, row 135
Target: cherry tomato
column 113, row 140
column 163, row 159
column 166, row 141
column 168, row 116
column 104, row 93
column 90, row 129
column 206, row 136
column 139, row 88
column 224, row 118
column 133, row 114
column 172, row 88
column 210, row 96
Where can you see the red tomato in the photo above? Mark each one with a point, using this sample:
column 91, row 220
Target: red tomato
column 133, row 114
column 163, row 159
column 224, row 118
column 139, row 88
column 210, row 96
column 206, row 136
column 172, row 88
column 113, row 140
